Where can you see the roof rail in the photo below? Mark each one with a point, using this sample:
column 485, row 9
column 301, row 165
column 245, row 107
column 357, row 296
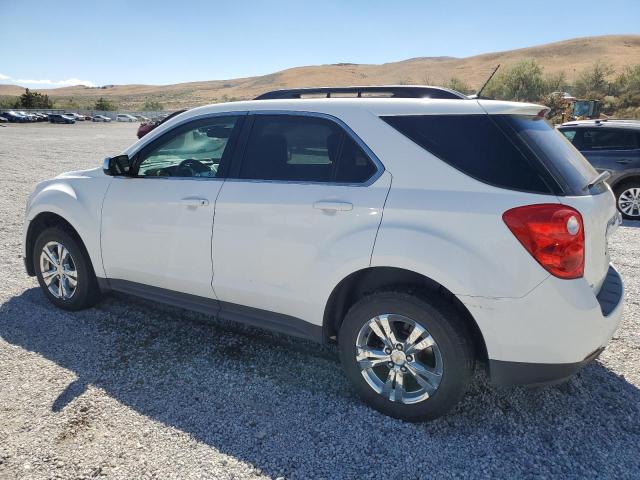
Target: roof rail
column 393, row 91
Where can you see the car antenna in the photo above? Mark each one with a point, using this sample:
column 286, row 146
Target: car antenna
column 479, row 92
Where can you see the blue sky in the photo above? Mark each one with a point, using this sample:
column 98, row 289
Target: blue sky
column 53, row 43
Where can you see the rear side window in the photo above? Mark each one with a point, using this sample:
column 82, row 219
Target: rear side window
column 301, row 148
column 477, row 146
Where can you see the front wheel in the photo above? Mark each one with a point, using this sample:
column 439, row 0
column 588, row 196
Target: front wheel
column 628, row 200
column 64, row 270
column 410, row 357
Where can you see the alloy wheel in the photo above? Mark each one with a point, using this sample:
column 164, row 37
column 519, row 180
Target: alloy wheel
column 629, row 202
column 399, row 359
column 58, row 270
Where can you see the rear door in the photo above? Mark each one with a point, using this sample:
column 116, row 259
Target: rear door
column 607, row 148
column 301, row 207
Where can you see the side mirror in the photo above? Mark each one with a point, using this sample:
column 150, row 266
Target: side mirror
column 116, row 166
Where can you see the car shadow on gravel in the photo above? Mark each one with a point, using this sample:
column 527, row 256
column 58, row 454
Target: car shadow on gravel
column 284, row 406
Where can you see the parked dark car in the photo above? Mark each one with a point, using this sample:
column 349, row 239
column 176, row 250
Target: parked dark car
column 14, row 117
column 100, row 118
column 61, row 118
column 146, row 127
column 613, row 146
column 29, row 116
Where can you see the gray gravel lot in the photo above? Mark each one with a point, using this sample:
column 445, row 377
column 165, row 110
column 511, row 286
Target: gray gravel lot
column 130, row 389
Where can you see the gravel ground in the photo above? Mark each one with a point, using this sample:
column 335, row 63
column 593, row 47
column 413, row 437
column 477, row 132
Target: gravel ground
column 133, row 390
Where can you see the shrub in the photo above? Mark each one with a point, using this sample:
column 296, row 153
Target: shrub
column 592, row 82
column 152, row 106
column 454, row 83
column 104, row 105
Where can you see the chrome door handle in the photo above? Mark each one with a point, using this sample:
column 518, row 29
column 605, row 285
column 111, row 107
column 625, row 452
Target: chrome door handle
column 328, row 206
column 194, row 202
column 623, row 161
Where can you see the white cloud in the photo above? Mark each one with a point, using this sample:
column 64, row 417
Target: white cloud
column 59, row 83
column 45, row 82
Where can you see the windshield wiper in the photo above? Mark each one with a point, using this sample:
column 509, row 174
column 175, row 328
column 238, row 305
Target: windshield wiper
column 603, row 177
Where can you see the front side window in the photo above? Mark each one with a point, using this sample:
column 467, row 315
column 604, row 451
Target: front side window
column 191, row 151
column 569, row 135
column 301, row 148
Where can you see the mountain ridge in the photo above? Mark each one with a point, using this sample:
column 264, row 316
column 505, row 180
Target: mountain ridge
column 578, row 53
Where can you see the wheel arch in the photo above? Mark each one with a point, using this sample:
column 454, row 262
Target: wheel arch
column 37, row 225
column 632, row 177
column 371, row 279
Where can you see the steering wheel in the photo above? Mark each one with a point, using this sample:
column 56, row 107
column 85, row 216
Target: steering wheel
column 190, row 167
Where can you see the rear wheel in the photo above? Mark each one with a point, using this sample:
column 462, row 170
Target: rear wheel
column 64, row 270
column 409, row 357
column 628, row 199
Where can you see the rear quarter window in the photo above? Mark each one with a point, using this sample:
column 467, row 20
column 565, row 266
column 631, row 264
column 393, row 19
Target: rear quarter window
column 567, row 165
column 477, row 146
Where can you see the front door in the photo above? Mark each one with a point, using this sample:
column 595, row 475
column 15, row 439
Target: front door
column 157, row 223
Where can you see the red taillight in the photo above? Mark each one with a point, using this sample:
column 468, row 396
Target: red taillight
column 553, row 234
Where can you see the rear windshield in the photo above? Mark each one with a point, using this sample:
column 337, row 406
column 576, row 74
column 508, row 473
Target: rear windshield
column 509, row 151
column 558, row 154
column 477, row 146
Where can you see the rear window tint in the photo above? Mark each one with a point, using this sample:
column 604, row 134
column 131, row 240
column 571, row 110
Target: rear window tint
column 477, row 146
column 554, row 150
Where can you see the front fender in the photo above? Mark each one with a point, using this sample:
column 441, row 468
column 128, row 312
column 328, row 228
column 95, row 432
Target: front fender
column 79, row 201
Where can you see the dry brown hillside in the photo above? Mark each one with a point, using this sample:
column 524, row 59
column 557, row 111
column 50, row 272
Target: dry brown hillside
column 570, row 55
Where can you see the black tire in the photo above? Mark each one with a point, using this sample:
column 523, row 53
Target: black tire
column 449, row 332
column 622, row 188
column 87, row 291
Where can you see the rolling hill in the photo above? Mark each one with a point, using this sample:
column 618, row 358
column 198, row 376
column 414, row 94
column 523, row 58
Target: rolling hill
column 571, row 56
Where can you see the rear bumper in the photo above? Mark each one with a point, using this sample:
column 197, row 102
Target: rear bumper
column 517, row 373
column 552, row 332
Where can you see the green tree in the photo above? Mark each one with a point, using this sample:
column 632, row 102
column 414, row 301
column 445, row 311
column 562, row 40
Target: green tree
column 27, row 99
column 152, row 106
column 31, row 99
column 593, row 81
column 104, row 105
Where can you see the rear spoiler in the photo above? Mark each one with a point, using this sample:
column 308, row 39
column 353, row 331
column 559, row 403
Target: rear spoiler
column 494, row 107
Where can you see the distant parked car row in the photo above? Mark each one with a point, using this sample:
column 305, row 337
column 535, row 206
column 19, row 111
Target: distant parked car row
column 24, row 117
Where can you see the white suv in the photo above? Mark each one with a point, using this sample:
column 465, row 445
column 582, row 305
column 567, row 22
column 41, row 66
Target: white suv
column 424, row 232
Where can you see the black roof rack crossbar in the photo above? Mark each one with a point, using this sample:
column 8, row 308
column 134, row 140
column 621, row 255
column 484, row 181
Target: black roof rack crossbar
column 394, row 91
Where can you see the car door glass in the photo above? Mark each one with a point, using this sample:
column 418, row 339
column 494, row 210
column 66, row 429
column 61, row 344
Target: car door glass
column 609, row 139
column 190, row 152
column 303, row 149
column 569, row 134
column 354, row 165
